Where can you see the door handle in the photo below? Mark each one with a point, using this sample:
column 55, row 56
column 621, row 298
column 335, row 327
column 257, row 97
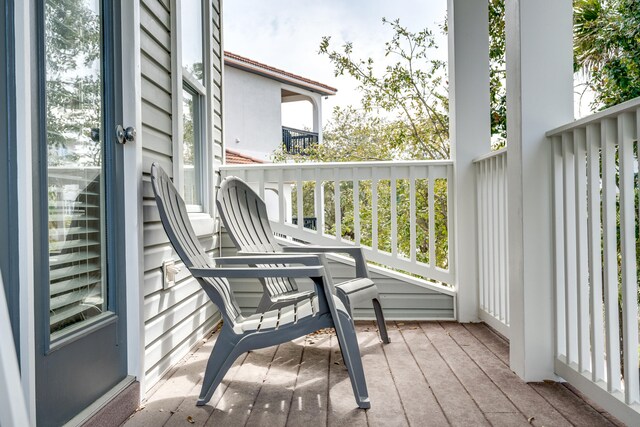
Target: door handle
column 125, row 135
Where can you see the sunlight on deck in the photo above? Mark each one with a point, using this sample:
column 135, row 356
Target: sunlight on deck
column 432, row 373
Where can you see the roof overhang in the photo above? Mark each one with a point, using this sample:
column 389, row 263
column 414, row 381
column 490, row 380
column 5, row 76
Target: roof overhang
column 251, row 66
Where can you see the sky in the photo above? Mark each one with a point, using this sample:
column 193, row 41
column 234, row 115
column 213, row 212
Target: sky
column 286, row 34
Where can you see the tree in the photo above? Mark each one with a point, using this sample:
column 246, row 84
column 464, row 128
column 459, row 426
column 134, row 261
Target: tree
column 358, row 135
column 413, row 89
column 606, row 40
column 497, row 73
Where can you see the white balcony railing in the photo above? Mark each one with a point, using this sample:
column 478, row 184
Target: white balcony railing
column 595, row 164
column 400, row 212
column 493, row 266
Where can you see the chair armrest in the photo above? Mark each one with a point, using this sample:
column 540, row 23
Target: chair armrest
column 268, row 258
column 259, row 273
column 354, row 252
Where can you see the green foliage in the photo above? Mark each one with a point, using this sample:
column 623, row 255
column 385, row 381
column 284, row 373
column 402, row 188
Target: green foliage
column 412, row 89
column 497, row 73
column 606, row 40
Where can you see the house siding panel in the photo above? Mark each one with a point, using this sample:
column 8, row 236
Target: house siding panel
column 400, row 300
column 176, row 316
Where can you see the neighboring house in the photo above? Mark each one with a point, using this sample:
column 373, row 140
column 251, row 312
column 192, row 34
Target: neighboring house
column 254, row 93
column 93, row 92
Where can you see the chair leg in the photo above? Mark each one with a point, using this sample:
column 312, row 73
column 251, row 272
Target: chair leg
column 224, row 353
column 351, row 355
column 382, row 327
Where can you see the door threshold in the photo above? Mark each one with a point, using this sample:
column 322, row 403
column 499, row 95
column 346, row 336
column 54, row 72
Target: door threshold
column 113, row 408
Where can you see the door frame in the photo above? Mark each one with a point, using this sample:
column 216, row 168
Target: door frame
column 8, row 191
column 131, row 104
column 26, row 122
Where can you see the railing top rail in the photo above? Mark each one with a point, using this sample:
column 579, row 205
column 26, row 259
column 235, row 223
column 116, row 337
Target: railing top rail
column 500, row 152
column 340, row 165
column 299, row 130
column 616, row 110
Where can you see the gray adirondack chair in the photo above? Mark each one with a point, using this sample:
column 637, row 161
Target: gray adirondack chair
column 244, row 215
column 240, row 334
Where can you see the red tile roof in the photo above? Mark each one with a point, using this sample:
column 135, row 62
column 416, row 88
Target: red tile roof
column 235, row 158
column 240, row 61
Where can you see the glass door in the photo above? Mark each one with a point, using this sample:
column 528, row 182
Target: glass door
column 81, row 335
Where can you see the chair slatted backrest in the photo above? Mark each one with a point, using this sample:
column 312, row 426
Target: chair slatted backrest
column 175, row 221
column 244, row 215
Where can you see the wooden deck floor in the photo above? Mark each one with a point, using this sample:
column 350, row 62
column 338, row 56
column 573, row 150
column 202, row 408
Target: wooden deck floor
column 431, row 374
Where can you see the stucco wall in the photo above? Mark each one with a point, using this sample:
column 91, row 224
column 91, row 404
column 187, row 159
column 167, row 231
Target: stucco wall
column 252, row 113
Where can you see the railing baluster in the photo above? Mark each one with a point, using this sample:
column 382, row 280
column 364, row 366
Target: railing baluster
column 628, row 251
column 485, row 235
column 281, row 198
column 300, row 200
column 412, row 214
column 319, row 205
column 374, row 210
column 356, row 209
column 579, row 139
column 505, row 228
column 262, row 184
column 451, row 231
column 595, row 255
column 394, row 213
column 502, row 265
column 494, row 237
column 570, row 248
column 609, row 138
column 559, row 254
column 432, row 221
column 336, row 196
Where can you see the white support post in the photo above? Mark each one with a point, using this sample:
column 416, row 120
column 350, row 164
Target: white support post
column 539, row 98
column 470, row 134
column 316, row 102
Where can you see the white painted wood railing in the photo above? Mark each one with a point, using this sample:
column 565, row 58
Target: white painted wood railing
column 400, row 212
column 595, row 164
column 493, row 268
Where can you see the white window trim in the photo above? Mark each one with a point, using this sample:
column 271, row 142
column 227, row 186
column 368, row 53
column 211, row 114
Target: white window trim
column 179, row 76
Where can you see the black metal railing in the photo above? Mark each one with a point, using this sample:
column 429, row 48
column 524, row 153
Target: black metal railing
column 297, row 141
column 307, row 222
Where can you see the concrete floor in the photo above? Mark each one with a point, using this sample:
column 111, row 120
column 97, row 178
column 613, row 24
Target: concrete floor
column 431, row 374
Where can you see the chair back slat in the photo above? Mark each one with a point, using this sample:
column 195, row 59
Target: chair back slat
column 175, row 220
column 244, row 215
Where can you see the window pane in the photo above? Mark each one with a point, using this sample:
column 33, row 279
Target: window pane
column 75, row 184
column 192, row 52
column 190, row 151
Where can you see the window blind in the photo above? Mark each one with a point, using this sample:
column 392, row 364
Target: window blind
column 76, row 246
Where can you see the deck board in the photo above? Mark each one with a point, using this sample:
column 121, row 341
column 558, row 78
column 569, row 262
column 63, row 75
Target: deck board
column 417, row 397
column 273, row 403
column 309, row 403
column 485, row 393
column 342, row 410
column 432, row 373
column 523, row 396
